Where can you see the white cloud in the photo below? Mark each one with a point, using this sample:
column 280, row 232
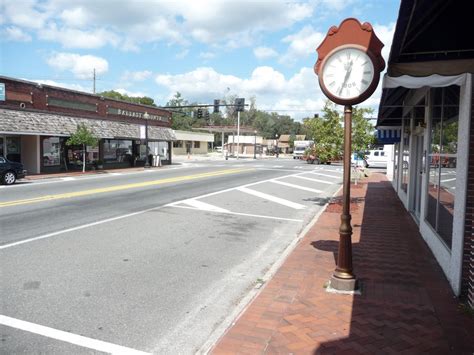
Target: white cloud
column 92, row 24
column 74, row 38
column 182, row 54
column 264, row 52
column 207, row 55
column 70, row 86
column 16, row 34
column 24, row 13
column 76, row 17
column 81, row 66
column 298, row 96
column 385, row 34
column 130, row 93
column 136, row 75
column 302, row 44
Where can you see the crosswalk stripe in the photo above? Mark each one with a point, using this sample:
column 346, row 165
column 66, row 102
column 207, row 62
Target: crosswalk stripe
column 275, row 199
column 204, row 206
column 295, row 186
column 311, row 179
column 327, row 175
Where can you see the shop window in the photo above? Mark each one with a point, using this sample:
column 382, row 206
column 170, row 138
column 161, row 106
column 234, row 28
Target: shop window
column 13, row 149
column 442, row 160
column 197, row 144
column 51, row 151
column 159, row 148
column 117, row 150
column 178, row 144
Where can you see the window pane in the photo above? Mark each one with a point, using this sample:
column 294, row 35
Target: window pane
column 447, row 179
column 433, row 183
column 51, row 151
column 405, row 163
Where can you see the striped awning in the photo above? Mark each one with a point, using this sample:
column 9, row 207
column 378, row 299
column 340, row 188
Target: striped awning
column 388, row 135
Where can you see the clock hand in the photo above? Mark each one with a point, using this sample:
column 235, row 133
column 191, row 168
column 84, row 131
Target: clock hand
column 348, row 73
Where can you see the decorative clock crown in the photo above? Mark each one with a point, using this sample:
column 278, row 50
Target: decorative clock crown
column 351, row 31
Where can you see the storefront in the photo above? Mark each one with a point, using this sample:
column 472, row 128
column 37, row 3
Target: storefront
column 428, row 93
column 36, row 122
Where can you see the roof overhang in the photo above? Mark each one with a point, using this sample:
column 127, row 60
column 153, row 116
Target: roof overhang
column 432, row 47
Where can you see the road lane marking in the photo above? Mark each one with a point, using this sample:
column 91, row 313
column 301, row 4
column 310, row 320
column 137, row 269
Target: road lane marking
column 120, row 187
column 315, row 180
column 295, row 186
column 204, row 206
column 275, row 199
column 243, row 214
column 67, row 337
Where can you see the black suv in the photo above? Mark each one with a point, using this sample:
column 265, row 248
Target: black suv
column 10, row 171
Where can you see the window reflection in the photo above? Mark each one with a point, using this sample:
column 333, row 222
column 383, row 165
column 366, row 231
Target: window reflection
column 442, row 164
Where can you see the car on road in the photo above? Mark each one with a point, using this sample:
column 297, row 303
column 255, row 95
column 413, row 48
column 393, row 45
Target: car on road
column 377, row 158
column 10, row 171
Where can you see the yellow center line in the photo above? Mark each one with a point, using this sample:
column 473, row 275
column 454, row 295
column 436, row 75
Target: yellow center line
column 120, row 187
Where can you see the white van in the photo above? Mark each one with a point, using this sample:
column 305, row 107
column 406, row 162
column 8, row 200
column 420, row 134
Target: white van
column 377, row 158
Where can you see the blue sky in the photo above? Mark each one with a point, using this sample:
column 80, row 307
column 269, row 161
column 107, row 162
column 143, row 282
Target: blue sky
column 204, row 49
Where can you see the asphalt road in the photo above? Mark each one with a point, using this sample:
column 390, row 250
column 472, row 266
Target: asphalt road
column 147, row 262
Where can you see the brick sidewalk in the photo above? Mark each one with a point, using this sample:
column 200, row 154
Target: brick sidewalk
column 406, row 304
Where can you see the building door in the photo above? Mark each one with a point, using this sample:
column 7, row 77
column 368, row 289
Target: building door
column 2, row 149
column 418, row 171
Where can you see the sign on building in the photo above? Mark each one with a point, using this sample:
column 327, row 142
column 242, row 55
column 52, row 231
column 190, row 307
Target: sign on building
column 2, row 91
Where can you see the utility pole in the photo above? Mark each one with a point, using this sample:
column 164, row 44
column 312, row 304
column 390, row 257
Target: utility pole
column 238, row 133
column 93, row 80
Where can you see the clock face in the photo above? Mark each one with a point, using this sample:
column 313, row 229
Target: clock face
column 347, row 73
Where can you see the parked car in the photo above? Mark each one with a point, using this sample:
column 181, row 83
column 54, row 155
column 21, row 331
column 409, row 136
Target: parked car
column 377, row 158
column 10, row 171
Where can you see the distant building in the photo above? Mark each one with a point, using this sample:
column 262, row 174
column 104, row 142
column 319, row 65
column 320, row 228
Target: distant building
column 36, row 121
column 246, row 144
column 192, row 142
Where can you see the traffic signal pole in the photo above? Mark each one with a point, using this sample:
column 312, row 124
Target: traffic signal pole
column 238, row 133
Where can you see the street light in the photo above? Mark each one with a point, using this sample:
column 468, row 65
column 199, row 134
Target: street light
column 146, row 116
column 255, row 145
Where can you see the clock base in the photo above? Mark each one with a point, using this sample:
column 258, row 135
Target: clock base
column 344, row 285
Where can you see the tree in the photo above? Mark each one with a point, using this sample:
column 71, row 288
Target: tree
column 142, row 100
column 362, row 130
column 83, row 136
column 326, row 132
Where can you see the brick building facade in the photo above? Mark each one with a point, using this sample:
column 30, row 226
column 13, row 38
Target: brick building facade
column 36, row 120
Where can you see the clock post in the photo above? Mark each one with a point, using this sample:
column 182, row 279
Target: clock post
column 348, row 66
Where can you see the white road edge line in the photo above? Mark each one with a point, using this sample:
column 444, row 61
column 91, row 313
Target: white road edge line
column 243, row 214
column 293, row 186
column 68, row 337
column 49, row 235
column 275, row 199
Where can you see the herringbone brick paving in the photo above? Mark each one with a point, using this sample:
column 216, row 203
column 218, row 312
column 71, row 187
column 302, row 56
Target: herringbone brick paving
column 406, row 305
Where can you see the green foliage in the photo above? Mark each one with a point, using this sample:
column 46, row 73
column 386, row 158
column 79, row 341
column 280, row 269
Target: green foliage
column 362, row 130
column 326, row 132
column 144, row 100
column 82, row 136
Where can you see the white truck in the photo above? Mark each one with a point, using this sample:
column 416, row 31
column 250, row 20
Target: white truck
column 299, row 147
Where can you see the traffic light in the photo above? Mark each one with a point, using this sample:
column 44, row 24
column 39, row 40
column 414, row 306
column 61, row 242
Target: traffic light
column 199, row 114
column 240, row 103
column 216, row 106
column 207, row 115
